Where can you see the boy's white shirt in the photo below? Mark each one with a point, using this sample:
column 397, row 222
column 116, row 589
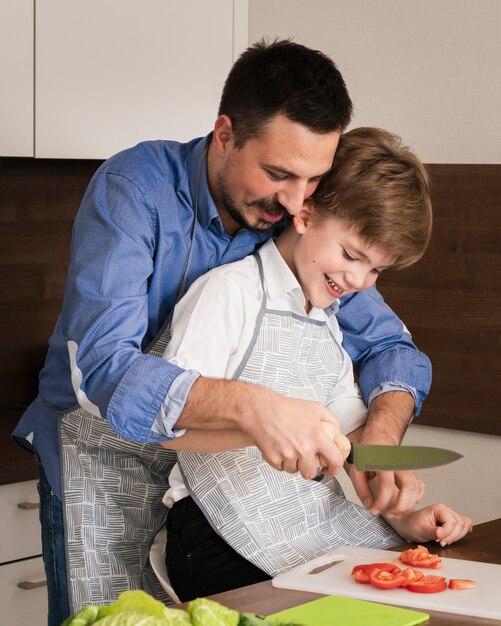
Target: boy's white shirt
column 214, row 323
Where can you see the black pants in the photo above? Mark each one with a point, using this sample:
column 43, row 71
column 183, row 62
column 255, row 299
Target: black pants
column 199, row 562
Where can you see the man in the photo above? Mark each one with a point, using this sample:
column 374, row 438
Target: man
column 153, row 219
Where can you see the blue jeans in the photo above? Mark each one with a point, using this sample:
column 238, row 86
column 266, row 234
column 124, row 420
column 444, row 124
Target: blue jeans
column 53, row 549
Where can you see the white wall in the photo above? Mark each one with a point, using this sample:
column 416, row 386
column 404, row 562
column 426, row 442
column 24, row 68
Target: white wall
column 429, row 71
column 425, row 69
column 470, row 485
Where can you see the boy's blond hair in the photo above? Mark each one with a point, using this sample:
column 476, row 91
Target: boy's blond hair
column 382, row 189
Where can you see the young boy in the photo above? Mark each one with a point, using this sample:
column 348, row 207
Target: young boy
column 270, row 320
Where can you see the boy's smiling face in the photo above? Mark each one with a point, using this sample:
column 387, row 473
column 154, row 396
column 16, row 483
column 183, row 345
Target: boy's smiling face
column 329, row 258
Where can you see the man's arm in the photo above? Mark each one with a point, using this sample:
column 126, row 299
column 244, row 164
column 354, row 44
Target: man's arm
column 389, row 415
column 396, row 492
column 395, row 378
column 106, row 310
column 383, row 353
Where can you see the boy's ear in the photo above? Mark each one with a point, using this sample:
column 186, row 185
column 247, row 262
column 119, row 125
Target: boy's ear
column 222, row 137
column 302, row 219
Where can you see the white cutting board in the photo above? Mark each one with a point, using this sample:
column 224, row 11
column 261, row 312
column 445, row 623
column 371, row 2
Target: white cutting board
column 484, row 601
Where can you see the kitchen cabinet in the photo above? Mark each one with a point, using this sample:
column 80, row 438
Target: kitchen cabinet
column 22, row 578
column 16, row 78
column 111, row 73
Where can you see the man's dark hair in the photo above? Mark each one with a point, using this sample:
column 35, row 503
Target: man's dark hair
column 288, row 78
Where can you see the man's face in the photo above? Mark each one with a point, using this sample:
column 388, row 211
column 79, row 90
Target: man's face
column 272, row 174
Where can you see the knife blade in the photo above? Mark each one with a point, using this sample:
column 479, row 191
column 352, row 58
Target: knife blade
column 368, row 457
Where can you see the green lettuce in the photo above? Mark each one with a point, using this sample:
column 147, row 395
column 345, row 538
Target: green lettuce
column 130, row 608
column 86, row 616
column 204, row 612
column 132, row 618
column 137, row 608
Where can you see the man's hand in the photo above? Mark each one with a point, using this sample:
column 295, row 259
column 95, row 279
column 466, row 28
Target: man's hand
column 298, row 435
column 342, row 442
column 288, row 431
column 393, row 493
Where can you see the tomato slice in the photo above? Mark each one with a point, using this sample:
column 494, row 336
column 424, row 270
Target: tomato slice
column 461, row 583
column 361, row 577
column 428, row 584
column 362, row 572
column 382, row 579
column 411, row 575
column 368, row 567
column 420, row 557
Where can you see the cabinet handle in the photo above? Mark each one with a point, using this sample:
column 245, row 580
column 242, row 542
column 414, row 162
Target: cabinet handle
column 28, row 506
column 31, row 584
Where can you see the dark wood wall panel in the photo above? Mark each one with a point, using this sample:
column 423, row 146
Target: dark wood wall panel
column 38, row 203
column 451, row 300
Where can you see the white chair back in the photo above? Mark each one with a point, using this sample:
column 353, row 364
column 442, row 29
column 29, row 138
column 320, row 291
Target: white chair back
column 157, row 560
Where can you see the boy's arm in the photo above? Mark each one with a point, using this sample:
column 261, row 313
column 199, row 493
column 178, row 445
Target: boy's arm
column 202, row 441
column 437, row 522
column 287, row 431
column 208, row 442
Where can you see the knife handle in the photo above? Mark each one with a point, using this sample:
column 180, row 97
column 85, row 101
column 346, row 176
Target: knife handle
column 349, row 458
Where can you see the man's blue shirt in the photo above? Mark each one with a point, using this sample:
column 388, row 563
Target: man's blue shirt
column 130, row 247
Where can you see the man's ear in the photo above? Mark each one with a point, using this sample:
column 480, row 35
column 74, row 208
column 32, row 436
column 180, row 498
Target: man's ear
column 222, row 138
column 302, row 219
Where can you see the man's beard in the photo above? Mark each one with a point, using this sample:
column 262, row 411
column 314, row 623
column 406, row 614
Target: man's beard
column 272, row 207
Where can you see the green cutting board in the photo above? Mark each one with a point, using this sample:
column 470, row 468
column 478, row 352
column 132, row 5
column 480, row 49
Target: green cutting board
column 338, row 611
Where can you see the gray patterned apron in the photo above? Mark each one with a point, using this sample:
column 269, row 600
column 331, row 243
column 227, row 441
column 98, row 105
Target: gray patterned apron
column 273, row 519
column 112, row 493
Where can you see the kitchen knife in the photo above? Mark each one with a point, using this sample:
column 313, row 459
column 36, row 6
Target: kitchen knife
column 367, row 457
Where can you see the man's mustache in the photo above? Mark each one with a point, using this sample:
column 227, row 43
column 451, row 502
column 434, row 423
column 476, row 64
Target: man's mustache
column 273, row 207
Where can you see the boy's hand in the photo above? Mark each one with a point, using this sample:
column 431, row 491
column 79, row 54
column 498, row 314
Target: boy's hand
column 394, row 493
column 437, row 522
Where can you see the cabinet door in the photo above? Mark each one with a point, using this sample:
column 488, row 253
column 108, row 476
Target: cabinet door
column 16, row 78
column 23, row 593
column 19, row 521
column 111, row 73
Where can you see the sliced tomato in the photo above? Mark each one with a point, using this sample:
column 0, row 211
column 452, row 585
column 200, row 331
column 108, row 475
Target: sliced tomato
column 368, row 567
column 411, row 575
column 420, row 557
column 428, row 584
column 461, row 583
column 361, row 577
column 382, row 579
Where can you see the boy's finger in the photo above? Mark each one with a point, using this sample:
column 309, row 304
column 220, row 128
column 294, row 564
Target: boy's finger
column 459, row 529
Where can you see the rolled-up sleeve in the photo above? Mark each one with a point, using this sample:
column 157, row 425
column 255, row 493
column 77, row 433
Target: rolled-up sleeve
column 384, row 356
column 106, row 314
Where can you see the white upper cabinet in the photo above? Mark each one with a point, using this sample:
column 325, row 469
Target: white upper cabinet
column 111, row 73
column 16, row 78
